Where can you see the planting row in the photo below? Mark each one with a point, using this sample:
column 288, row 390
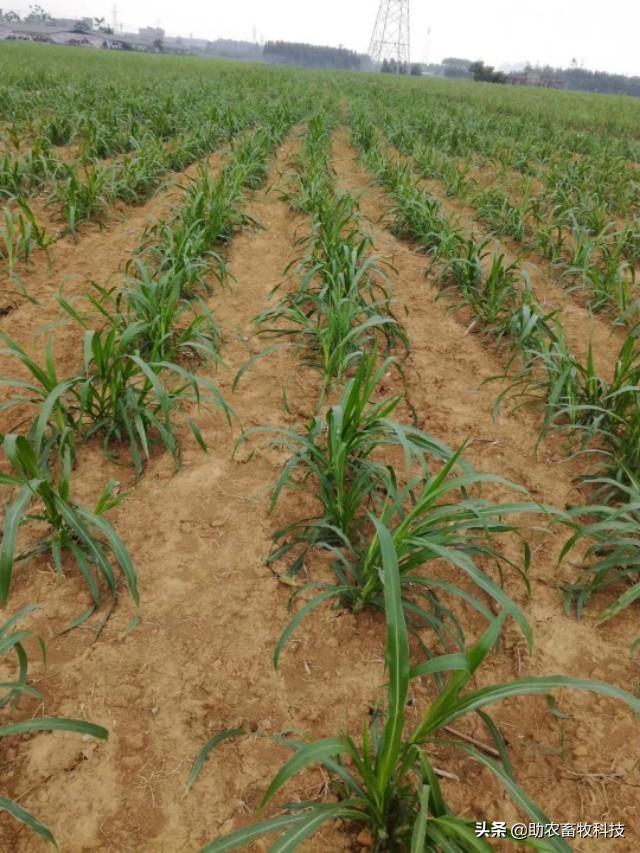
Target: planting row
column 581, row 220
column 382, row 524
column 601, row 417
column 138, row 370
column 83, row 191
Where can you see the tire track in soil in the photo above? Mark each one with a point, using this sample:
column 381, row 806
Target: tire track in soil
column 200, row 660
column 447, row 368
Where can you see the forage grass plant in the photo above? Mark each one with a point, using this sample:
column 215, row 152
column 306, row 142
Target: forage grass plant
column 312, row 176
column 612, row 557
column 337, row 458
column 335, row 314
column 12, row 643
column 43, row 495
column 20, row 235
column 433, row 516
column 126, row 400
column 83, row 194
column 155, row 319
column 494, row 208
column 387, row 783
column 500, row 298
column 138, row 174
column 602, row 414
column 117, row 396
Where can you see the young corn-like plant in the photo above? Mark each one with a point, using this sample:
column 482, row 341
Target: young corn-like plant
column 431, row 518
column 612, row 558
column 20, row 236
column 337, row 457
column 603, row 414
column 85, row 195
column 117, row 396
column 334, row 316
column 387, row 782
column 125, row 399
column 86, row 536
column 156, row 320
column 12, row 643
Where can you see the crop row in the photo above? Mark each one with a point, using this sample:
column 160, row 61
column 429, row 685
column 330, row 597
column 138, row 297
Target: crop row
column 380, row 523
column 600, row 416
column 81, row 191
column 572, row 220
column 137, row 370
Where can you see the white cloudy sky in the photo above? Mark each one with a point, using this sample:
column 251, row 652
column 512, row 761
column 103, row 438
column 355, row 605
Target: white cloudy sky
column 600, row 35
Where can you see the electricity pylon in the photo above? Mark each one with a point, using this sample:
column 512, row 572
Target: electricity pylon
column 391, row 37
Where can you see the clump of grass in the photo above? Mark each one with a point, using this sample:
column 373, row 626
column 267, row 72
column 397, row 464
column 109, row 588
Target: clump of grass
column 84, row 194
column 432, row 517
column 336, row 457
column 12, row 642
column 117, row 396
column 601, row 414
column 86, row 536
column 12, row 645
column 387, row 782
column 20, row 235
column 155, row 319
column 612, row 556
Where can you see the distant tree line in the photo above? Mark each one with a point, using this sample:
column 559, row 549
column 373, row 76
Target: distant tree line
column 575, row 78
column 455, row 68
column 582, row 80
column 311, row 55
column 392, row 66
column 486, row 73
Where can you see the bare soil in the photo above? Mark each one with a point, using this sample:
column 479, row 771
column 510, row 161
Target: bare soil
column 200, row 659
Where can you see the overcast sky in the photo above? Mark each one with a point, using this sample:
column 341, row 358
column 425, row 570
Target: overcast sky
column 601, row 35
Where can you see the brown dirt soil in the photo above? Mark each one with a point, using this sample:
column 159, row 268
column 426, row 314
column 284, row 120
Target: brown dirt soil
column 200, row 660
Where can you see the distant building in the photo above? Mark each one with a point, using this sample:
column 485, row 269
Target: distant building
column 151, row 33
column 536, row 77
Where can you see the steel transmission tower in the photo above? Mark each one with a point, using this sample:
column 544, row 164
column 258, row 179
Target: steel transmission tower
column 391, row 37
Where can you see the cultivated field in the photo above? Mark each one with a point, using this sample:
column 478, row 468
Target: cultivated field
column 321, row 460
